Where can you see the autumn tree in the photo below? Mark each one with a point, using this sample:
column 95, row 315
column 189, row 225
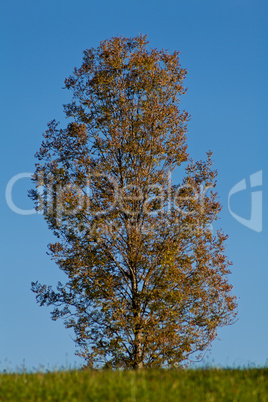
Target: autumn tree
column 146, row 279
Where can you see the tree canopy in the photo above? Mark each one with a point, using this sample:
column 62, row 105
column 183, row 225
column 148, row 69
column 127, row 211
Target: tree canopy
column 146, row 279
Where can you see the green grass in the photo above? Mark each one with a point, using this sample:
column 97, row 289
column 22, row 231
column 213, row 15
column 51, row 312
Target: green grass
column 158, row 385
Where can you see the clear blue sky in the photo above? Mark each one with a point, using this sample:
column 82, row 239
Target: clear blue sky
column 223, row 45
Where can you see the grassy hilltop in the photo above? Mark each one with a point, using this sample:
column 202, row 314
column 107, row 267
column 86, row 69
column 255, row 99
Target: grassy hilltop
column 152, row 385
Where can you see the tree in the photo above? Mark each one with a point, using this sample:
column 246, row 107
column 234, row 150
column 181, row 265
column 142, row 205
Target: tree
column 146, row 278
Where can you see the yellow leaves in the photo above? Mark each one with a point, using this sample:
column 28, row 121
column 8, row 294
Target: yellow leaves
column 144, row 275
column 156, row 161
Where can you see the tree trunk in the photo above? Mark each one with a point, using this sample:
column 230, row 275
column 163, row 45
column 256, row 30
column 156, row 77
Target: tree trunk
column 137, row 363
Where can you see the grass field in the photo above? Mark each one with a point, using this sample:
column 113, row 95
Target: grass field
column 158, row 385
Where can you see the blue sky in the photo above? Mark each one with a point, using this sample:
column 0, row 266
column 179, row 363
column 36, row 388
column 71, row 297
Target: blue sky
column 223, row 45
